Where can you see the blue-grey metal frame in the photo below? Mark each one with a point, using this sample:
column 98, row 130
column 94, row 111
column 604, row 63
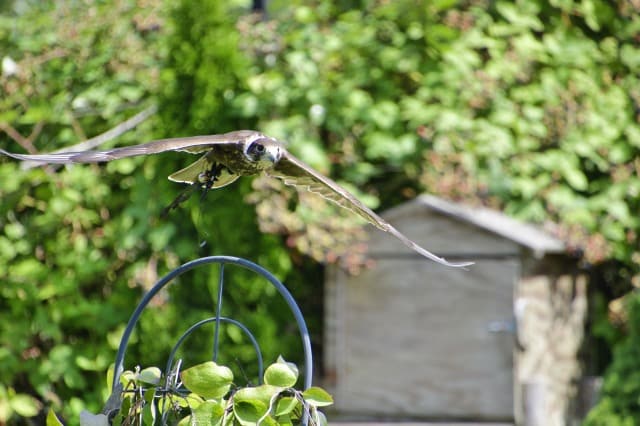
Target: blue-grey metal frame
column 217, row 319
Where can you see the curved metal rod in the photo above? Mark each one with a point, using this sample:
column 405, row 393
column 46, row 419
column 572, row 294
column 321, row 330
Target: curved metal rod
column 217, row 320
column 302, row 326
column 216, row 331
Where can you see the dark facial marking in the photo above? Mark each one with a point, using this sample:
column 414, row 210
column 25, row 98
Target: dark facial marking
column 255, row 150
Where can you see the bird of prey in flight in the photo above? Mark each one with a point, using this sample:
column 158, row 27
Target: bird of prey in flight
column 228, row 156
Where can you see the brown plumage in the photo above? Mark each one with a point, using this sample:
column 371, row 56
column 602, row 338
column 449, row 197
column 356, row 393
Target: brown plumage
column 231, row 155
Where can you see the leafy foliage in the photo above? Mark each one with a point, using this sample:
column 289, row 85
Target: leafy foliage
column 205, row 394
column 78, row 246
column 202, row 70
column 61, row 251
column 619, row 403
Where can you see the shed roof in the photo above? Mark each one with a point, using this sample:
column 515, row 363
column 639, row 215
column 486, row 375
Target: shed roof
column 524, row 234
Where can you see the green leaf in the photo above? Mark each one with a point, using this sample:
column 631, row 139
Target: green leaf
column 619, row 209
column 253, row 403
column 14, row 231
column 630, row 56
column 150, row 375
column 125, row 407
column 575, row 177
column 248, row 412
column 286, row 405
column 262, row 393
column 251, row 413
column 209, row 413
column 281, row 373
column 186, row 421
column 317, row 397
column 208, row 379
column 24, row 405
column 285, row 421
column 126, row 377
column 52, row 419
column 149, row 408
column 191, row 400
column 110, row 373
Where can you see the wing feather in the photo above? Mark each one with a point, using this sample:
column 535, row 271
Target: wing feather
column 296, row 173
column 193, row 145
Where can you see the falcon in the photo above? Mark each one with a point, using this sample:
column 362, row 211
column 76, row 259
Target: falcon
column 228, row 156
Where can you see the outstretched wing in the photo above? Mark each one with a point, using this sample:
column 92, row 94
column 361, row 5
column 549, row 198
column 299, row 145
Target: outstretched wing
column 193, row 145
column 296, row 173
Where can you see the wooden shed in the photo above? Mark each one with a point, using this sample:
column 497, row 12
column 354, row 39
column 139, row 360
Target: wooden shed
column 410, row 338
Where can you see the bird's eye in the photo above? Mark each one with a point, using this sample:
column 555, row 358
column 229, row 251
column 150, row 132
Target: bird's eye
column 256, row 148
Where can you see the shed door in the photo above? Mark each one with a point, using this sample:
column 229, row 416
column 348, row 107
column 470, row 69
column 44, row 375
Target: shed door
column 411, row 338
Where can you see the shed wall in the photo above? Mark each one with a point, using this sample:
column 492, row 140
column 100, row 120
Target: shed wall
column 410, row 338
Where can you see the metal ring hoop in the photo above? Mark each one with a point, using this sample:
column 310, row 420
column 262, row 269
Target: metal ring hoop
column 222, row 260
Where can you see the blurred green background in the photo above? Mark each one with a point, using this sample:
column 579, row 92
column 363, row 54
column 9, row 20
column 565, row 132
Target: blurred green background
column 528, row 106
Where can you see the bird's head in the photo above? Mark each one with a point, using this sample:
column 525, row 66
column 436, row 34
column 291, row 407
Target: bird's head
column 264, row 151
